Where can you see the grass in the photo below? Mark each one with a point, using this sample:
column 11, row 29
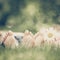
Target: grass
column 36, row 53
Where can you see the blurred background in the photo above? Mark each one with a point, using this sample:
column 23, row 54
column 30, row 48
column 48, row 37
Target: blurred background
column 19, row 15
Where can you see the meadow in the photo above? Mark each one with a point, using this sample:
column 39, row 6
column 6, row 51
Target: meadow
column 21, row 15
column 36, row 53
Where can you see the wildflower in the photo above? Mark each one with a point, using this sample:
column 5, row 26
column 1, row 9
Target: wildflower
column 38, row 39
column 50, row 34
column 10, row 41
column 28, row 40
column 2, row 35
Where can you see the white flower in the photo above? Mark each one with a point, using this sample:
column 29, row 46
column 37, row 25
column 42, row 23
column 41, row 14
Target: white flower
column 50, row 34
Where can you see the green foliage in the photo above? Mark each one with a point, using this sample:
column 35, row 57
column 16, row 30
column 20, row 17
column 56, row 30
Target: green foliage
column 19, row 15
column 36, row 53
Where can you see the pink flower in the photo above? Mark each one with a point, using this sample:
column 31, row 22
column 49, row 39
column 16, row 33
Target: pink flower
column 38, row 39
column 28, row 40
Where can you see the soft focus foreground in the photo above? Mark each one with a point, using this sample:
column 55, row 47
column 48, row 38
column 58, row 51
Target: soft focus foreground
column 42, row 53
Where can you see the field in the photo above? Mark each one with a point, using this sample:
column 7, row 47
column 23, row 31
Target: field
column 21, row 15
column 36, row 53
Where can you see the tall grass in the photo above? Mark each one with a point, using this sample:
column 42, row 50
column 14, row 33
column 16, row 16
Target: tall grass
column 36, row 53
